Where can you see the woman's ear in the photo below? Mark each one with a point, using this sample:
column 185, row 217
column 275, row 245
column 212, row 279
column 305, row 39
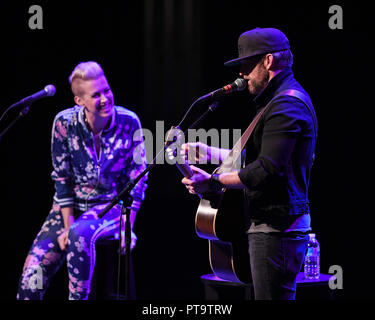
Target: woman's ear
column 78, row 101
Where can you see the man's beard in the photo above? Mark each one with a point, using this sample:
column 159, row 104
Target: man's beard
column 257, row 86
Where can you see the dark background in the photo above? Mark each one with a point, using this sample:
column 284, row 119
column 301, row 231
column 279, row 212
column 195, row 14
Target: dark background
column 159, row 56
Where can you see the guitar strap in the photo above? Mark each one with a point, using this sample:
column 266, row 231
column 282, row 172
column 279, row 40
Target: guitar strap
column 233, row 161
column 306, row 100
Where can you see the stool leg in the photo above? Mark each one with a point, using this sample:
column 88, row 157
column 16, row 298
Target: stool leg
column 104, row 284
column 210, row 293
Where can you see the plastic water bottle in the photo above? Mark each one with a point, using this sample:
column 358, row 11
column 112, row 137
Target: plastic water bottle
column 312, row 258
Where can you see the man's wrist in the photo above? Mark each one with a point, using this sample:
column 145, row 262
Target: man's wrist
column 215, row 184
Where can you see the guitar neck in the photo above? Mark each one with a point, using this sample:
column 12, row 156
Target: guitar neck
column 185, row 169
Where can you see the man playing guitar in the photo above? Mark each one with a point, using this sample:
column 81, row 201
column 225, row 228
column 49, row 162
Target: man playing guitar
column 279, row 157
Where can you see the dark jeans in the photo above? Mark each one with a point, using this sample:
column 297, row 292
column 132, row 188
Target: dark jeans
column 276, row 259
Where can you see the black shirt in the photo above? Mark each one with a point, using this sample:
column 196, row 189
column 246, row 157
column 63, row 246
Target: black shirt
column 279, row 156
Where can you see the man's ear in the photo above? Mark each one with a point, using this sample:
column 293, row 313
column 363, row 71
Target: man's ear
column 268, row 61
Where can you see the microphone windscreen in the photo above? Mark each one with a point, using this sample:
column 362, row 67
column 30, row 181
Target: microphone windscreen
column 50, row 90
column 241, row 84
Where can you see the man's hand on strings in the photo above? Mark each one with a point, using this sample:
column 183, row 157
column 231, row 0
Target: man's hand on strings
column 201, row 153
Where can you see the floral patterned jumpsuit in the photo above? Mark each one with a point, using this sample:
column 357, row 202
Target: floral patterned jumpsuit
column 87, row 182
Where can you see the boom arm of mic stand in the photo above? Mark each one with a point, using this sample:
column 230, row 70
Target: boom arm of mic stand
column 22, row 113
column 124, row 195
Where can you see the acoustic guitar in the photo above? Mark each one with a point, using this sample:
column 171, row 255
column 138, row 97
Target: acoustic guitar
column 220, row 219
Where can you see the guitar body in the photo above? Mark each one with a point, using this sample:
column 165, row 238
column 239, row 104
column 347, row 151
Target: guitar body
column 220, row 219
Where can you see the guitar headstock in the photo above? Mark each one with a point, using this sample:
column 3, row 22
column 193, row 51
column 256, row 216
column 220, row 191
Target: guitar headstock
column 175, row 139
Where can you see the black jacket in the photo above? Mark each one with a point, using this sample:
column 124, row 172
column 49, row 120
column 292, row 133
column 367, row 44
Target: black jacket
column 279, row 155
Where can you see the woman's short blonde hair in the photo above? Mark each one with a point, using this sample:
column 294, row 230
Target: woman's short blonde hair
column 84, row 71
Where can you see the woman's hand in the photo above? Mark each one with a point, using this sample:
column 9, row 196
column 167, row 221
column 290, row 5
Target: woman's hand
column 62, row 240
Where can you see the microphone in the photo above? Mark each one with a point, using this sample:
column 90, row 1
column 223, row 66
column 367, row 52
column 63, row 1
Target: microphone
column 48, row 91
column 238, row 85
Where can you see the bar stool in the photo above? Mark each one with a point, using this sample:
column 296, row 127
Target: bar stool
column 307, row 289
column 216, row 288
column 104, row 280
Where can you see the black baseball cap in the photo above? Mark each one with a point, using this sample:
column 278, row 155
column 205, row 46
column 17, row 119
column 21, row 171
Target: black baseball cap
column 259, row 41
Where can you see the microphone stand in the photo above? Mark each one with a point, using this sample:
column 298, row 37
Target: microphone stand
column 26, row 103
column 23, row 112
column 125, row 199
